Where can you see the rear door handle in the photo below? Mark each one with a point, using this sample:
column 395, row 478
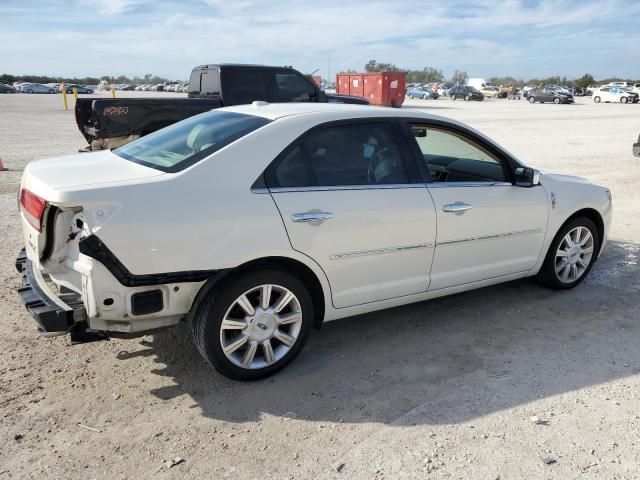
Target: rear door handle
column 311, row 216
column 457, row 207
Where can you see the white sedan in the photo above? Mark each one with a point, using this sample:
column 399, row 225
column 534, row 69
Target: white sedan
column 254, row 223
column 613, row 94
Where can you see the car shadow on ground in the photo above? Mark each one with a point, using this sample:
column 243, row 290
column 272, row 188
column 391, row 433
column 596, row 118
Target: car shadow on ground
column 446, row 360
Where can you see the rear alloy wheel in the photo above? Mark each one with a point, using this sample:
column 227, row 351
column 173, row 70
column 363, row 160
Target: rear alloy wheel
column 467, row 98
column 571, row 254
column 596, row 99
column 556, row 100
column 532, row 100
column 623, row 100
column 424, row 97
column 254, row 325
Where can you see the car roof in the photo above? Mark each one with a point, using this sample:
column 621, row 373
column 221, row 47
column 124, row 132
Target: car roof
column 273, row 111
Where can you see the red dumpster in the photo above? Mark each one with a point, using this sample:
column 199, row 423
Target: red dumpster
column 380, row 88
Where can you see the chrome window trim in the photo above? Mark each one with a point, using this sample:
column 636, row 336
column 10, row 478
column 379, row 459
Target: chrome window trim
column 468, row 184
column 345, row 187
column 490, row 237
column 378, row 251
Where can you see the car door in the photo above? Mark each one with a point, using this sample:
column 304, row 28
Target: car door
column 352, row 199
column 487, row 227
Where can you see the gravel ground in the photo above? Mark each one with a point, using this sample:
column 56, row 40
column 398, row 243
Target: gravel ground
column 512, row 382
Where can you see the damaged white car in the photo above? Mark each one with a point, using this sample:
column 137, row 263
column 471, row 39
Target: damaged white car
column 255, row 223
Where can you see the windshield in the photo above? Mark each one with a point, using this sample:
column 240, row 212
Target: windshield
column 182, row 144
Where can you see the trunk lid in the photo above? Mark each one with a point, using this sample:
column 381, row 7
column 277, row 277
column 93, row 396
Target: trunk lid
column 46, row 177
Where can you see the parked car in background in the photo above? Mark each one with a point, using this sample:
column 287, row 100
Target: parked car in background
column 591, row 88
column 489, row 92
column 549, row 95
column 6, row 88
column 465, row 92
column 79, row 88
column 297, row 175
column 614, row 94
column 36, row 88
column 422, row 92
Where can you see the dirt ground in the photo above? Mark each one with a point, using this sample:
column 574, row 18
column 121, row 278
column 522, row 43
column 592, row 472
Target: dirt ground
column 444, row 389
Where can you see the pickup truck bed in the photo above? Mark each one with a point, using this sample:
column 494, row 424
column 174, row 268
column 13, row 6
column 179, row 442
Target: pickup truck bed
column 109, row 123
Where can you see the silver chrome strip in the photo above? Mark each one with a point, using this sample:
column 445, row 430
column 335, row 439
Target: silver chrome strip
column 379, row 251
column 468, row 184
column 490, row 237
column 347, row 187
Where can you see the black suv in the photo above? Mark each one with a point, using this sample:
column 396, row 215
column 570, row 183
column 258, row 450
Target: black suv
column 466, row 92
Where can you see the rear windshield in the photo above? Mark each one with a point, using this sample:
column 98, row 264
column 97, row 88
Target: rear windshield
column 182, row 144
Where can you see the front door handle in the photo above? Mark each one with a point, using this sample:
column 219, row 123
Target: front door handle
column 457, row 207
column 311, row 216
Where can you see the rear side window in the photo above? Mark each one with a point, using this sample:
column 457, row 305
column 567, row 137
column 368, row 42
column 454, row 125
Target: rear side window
column 210, row 82
column 244, row 86
column 182, row 144
column 343, row 155
column 291, row 87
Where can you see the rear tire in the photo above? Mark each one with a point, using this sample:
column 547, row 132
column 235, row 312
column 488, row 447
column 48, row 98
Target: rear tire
column 571, row 255
column 623, row 100
column 453, row 97
column 270, row 338
column 596, row 99
column 532, row 100
column 467, row 98
column 556, row 100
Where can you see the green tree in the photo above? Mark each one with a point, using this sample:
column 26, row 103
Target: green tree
column 374, row 66
column 459, row 77
column 585, row 80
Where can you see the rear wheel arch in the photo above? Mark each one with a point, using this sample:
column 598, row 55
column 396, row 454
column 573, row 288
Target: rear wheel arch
column 295, row 267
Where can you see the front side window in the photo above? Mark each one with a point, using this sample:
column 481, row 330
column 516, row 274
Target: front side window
column 343, row 155
column 291, row 87
column 182, row 144
column 451, row 157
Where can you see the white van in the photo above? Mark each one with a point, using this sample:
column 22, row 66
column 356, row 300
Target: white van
column 479, row 83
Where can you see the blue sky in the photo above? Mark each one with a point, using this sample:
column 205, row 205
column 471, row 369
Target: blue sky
column 523, row 38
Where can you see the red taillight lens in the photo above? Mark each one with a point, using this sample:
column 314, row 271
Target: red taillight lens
column 33, row 208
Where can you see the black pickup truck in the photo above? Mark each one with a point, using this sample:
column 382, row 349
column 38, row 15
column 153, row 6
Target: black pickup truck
column 109, row 123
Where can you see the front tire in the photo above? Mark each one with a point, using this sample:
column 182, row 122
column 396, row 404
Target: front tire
column 532, row 100
column 623, row 100
column 253, row 325
column 596, row 99
column 571, row 255
column 453, row 97
column 556, row 100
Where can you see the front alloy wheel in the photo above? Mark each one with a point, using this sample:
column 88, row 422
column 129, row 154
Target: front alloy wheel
column 596, row 99
column 556, row 100
column 571, row 254
column 532, row 100
column 253, row 324
column 623, row 100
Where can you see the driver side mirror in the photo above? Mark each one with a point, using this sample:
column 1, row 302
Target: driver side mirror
column 527, row 177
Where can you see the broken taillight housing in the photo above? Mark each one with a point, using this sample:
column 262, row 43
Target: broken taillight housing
column 33, row 208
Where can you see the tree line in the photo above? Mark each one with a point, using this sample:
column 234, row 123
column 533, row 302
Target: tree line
column 433, row 75
column 120, row 79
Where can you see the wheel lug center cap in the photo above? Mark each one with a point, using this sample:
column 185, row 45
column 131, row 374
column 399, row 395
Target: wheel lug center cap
column 262, row 326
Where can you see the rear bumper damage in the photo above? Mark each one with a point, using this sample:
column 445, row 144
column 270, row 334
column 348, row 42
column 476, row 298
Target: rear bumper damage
column 55, row 314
